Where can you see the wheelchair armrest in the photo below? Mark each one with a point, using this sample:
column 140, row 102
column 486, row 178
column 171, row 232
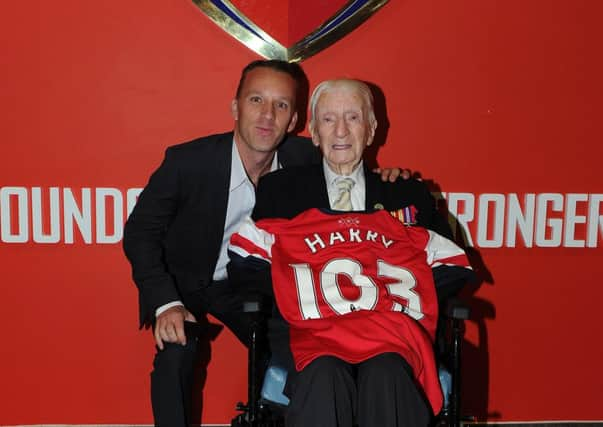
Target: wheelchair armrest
column 257, row 302
column 455, row 309
column 252, row 306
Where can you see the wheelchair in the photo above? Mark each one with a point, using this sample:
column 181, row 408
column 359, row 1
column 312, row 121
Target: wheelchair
column 266, row 402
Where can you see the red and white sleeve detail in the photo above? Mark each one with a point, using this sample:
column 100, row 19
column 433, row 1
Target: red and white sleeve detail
column 252, row 241
column 441, row 251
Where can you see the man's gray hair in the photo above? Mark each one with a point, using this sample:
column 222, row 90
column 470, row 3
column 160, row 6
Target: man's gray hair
column 350, row 84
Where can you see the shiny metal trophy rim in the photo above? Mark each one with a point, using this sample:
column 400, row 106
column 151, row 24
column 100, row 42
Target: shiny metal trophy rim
column 239, row 26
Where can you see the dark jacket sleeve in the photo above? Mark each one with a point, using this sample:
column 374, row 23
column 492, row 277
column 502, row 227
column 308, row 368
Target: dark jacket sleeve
column 249, row 276
column 449, row 280
column 144, row 234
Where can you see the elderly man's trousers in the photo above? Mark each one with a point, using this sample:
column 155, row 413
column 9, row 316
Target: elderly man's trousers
column 379, row 392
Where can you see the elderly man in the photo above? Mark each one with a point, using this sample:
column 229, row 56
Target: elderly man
column 342, row 125
column 344, row 378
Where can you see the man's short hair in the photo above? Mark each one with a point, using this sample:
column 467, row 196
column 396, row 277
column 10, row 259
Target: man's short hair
column 292, row 69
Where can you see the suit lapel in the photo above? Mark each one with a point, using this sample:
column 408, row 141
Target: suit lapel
column 374, row 191
column 218, row 190
column 318, row 188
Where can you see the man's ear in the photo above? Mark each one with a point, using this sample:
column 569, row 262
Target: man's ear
column 292, row 122
column 234, row 109
column 373, row 128
column 313, row 134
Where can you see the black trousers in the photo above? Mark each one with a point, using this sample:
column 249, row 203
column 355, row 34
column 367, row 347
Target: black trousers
column 379, row 392
column 174, row 368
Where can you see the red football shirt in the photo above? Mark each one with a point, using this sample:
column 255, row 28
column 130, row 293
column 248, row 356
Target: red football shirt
column 354, row 285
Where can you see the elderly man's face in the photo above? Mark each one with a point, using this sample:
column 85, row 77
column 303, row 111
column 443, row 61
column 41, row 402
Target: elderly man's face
column 342, row 128
column 265, row 110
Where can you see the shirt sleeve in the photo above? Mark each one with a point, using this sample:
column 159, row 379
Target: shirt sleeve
column 250, row 258
column 442, row 251
column 251, row 241
column 167, row 306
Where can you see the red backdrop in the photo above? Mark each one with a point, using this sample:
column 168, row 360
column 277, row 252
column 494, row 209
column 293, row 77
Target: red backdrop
column 498, row 102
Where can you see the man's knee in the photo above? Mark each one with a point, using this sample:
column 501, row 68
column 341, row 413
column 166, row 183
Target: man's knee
column 326, row 365
column 326, row 371
column 384, row 365
column 175, row 358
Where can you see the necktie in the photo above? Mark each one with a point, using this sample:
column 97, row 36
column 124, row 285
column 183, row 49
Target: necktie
column 344, row 201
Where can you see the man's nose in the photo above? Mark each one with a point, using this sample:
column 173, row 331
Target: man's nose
column 268, row 110
column 341, row 128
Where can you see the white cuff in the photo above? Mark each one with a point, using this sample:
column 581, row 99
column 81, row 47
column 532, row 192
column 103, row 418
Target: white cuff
column 164, row 307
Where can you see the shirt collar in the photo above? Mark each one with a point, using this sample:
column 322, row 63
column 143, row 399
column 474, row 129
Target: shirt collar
column 330, row 177
column 238, row 176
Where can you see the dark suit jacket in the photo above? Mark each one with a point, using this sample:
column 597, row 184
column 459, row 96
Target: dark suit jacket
column 173, row 236
column 288, row 192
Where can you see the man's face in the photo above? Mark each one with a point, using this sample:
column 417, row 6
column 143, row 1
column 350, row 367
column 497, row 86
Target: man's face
column 265, row 110
column 342, row 128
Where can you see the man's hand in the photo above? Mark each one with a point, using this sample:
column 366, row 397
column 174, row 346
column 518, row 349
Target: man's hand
column 391, row 174
column 170, row 326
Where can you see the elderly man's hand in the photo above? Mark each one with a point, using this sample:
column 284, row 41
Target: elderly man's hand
column 169, row 326
column 391, row 174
